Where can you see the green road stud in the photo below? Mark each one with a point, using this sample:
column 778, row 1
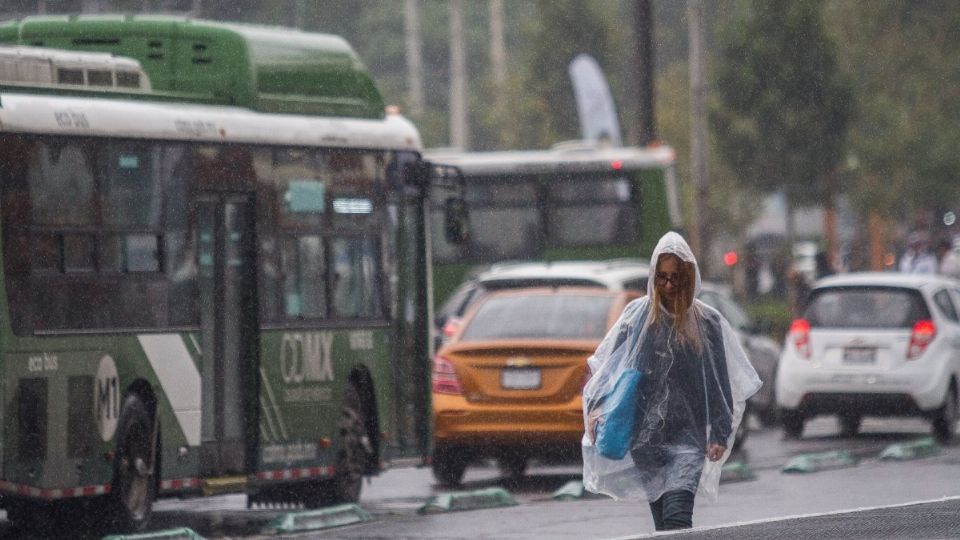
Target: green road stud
column 312, row 520
column 182, row 533
column 468, row 500
column 920, row 448
column 735, row 471
column 809, row 463
column 571, row 490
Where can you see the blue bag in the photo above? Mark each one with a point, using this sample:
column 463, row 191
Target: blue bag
column 619, row 411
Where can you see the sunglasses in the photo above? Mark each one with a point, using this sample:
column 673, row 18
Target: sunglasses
column 663, row 278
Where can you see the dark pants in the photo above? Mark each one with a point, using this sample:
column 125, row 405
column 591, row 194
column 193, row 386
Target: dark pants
column 673, row 510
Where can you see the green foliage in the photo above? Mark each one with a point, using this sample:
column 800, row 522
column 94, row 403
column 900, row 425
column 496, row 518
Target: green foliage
column 903, row 58
column 784, row 105
column 772, row 315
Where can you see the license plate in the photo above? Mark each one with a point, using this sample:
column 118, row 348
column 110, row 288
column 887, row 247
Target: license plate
column 859, row 355
column 520, row 378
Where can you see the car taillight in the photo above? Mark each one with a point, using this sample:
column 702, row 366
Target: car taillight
column 444, row 377
column 800, row 335
column 450, row 328
column 923, row 333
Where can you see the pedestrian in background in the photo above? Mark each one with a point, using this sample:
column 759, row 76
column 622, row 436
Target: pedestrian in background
column 918, row 259
column 694, row 380
column 948, row 259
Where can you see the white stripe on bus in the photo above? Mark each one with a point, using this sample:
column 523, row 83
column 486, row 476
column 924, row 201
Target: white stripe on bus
column 179, row 379
column 273, row 402
column 272, row 436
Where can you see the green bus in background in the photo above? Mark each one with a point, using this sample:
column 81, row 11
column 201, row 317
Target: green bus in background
column 214, row 267
column 576, row 201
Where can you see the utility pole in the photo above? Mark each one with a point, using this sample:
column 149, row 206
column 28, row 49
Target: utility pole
column 698, row 134
column 414, row 47
column 643, row 43
column 458, row 78
column 498, row 48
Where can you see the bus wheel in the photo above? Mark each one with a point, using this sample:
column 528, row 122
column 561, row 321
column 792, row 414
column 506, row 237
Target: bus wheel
column 134, row 483
column 352, row 450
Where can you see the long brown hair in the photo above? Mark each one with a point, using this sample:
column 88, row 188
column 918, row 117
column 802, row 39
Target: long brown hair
column 681, row 303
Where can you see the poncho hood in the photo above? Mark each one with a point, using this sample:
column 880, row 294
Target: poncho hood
column 675, row 244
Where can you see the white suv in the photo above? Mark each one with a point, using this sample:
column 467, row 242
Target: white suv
column 873, row 344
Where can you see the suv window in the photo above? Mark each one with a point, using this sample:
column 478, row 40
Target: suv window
column 865, row 307
column 636, row 284
column 945, row 305
column 457, row 303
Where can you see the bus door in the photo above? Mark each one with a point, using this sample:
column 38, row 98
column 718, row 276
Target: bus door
column 228, row 329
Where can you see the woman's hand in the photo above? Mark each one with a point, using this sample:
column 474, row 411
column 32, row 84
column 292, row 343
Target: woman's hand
column 715, row 451
column 593, row 418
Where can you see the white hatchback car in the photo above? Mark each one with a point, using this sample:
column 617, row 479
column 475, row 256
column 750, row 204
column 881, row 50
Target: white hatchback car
column 873, row 344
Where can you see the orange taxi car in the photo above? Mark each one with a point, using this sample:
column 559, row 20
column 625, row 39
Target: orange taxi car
column 508, row 384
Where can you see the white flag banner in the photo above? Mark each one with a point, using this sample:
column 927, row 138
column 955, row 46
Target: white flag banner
column 598, row 116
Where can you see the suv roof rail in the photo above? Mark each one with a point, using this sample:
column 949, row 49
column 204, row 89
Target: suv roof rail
column 600, row 263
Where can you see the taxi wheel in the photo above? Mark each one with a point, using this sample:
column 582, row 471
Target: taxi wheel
column 448, row 467
column 512, row 467
column 850, row 424
column 945, row 421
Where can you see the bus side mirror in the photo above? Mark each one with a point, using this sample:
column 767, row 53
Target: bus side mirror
column 455, row 221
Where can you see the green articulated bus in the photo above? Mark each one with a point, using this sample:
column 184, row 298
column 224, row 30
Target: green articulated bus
column 574, row 201
column 214, row 267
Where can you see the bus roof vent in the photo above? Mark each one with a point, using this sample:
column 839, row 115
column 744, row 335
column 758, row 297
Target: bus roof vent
column 263, row 68
column 53, row 68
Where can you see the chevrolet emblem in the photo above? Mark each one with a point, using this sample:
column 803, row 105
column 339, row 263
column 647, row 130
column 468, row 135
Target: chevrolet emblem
column 518, row 361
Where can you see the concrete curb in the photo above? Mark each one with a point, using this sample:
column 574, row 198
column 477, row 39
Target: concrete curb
column 809, row 463
column 183, row 533
column 920, row 448
column 311, row 520
column 467, row 500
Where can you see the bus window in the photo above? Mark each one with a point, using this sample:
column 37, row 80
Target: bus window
column 304, row 289
column 62, row 184
column 591, row 211
column 355, row 286
column 131, row 189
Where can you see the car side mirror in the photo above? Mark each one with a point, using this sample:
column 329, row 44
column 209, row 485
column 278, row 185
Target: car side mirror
column 456, row 221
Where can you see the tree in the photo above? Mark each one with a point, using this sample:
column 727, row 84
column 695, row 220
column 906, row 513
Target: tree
column 784, row 104
column 544, row 105
column 903, row 56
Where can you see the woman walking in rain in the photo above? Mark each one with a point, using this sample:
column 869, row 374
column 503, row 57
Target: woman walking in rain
column 669, row 386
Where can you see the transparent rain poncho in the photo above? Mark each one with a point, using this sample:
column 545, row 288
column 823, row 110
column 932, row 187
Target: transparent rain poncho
column 692, row 393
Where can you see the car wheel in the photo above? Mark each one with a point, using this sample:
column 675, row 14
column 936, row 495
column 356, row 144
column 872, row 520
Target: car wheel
column 512, row 467
column 741, row 436
column 792, row 423
column 850, row 424
column 769, row 417
column 945, row 420
column 449, row 466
